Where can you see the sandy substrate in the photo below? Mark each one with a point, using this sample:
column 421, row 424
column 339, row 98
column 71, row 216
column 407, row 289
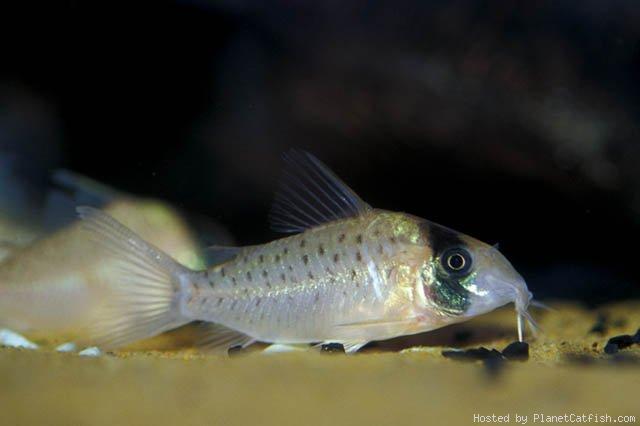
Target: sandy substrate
column 405, row 381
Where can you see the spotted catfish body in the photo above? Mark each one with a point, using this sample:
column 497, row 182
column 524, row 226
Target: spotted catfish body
column 350, row 274
column 310, row 287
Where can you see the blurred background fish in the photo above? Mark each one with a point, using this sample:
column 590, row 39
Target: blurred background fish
column 54, row 281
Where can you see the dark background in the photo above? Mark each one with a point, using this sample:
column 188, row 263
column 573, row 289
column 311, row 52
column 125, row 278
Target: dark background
column 514, row 122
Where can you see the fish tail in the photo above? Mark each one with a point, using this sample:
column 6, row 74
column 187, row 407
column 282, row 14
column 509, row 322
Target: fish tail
column 148, row 284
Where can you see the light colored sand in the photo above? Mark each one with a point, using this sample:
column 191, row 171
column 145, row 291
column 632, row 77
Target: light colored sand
column 380, row 386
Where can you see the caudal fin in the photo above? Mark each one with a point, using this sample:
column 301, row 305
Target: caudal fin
column 147, row 284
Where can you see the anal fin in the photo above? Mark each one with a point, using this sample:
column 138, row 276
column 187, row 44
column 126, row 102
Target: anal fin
column 352, row 347
column 218, row 338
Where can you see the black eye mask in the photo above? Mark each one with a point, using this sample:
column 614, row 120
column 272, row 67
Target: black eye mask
column 446, row 290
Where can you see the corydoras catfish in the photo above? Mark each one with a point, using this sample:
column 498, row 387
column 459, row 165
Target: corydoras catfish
column 350, row 274
column 58, row 286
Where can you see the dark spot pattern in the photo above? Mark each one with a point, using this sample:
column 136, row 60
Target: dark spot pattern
column 305, row 259
column 359, row 256
column 359, row 239
column 336, row 258
column 249, row 278
column 321, row 250
column 341, row 238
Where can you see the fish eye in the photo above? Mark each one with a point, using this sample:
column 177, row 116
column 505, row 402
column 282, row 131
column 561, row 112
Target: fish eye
column 456, row 261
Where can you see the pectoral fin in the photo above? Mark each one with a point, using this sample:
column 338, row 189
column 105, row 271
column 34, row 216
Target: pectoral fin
column 378, row 323
column 384, row 328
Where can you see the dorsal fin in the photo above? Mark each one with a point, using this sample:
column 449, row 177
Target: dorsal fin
column 310, row 194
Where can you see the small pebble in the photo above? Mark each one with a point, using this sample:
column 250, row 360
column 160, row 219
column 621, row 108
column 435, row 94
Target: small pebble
column 516, row 351
column 618, row 342
column 235, row 350
column 91, row 352
column 475, row 354
column 332, row 348
column 15, row 340
column 66, row 347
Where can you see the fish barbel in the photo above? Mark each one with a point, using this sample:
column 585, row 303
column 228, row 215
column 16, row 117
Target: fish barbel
column 350, row 274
